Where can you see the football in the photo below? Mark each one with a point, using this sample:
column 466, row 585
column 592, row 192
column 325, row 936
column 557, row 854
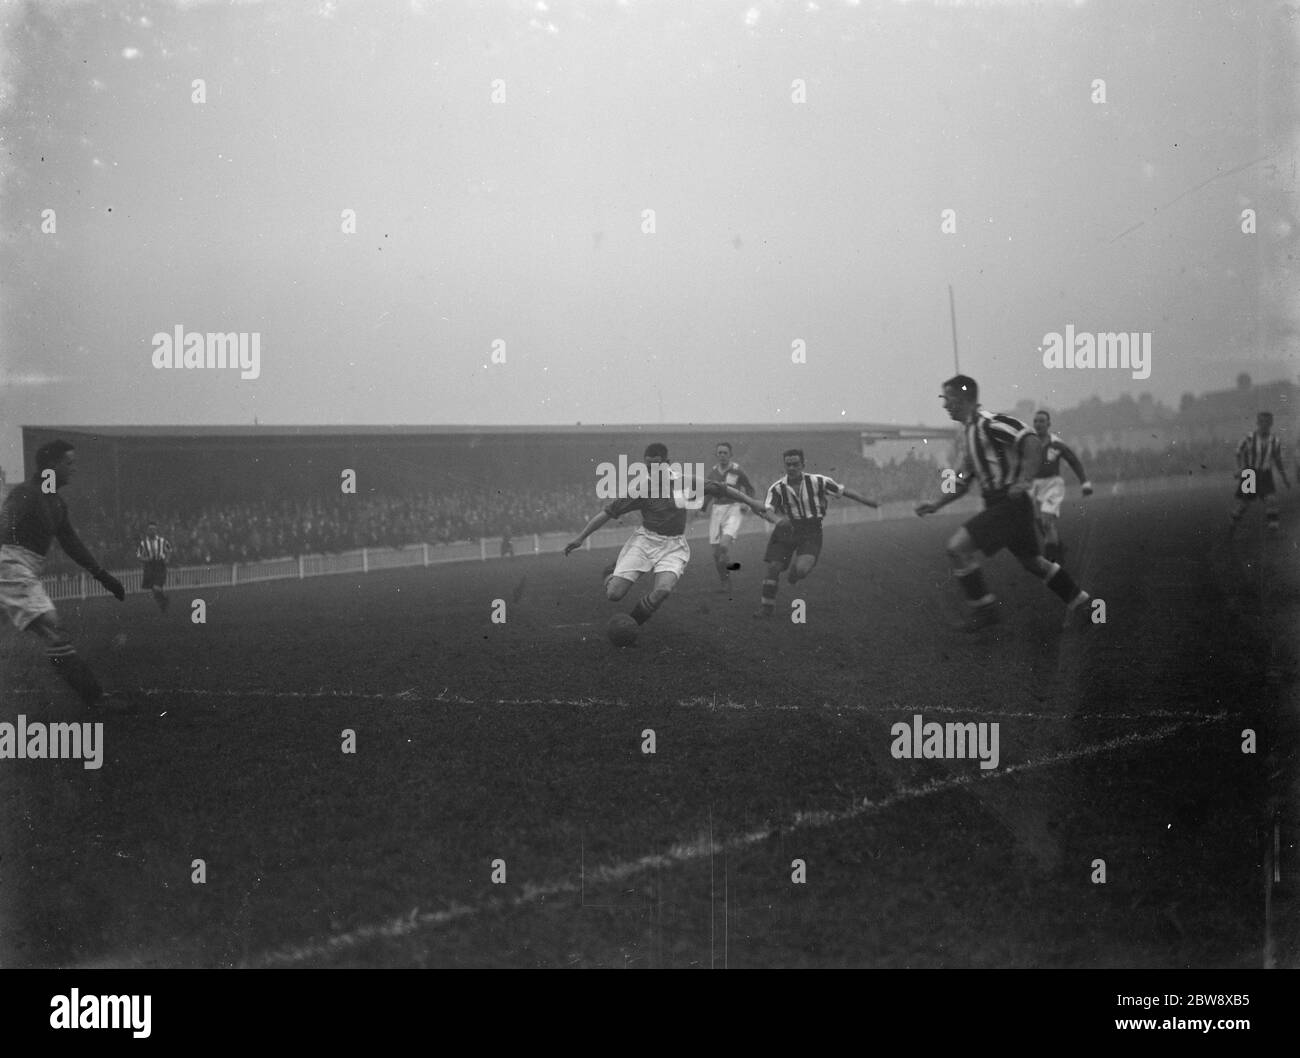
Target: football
column 622, row 630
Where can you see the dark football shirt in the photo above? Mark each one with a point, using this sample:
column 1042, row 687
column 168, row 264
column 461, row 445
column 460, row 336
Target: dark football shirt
column 661, row 516
column 32, row 519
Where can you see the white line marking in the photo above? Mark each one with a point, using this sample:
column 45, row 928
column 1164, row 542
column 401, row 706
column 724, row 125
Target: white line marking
column 416, row 920
column 711, row 704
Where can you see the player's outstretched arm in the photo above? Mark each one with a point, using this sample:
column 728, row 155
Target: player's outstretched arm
column 592, row 526
column 80, row 554
column 748, row 501
column 959, row 490
column 849, row 494
column 1076, row 464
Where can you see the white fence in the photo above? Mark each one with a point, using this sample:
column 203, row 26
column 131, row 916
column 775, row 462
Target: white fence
column 367, row 560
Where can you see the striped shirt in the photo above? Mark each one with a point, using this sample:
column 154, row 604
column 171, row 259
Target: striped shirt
column 1258, row 453
column 806, row 501
column 153, row 549
column 992, row 451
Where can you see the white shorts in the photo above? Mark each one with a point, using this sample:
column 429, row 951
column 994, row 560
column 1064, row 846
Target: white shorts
column 22, row 595
column 724, row 520
column 1049, row 494
column 647, row 552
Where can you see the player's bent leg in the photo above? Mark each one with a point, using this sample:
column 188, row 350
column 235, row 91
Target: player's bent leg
column 767, row 595
column 1051, row 538
column 616, row 587
column 803, row 565
column 964, row 557
column 65, row 659
column 1057, row 579
column 1270, row 513
column 654, row 598
column 721, row 559
column 1234, row 516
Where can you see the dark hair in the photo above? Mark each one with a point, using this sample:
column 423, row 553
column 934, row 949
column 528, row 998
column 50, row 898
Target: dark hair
column 724, row 444
column 153, row 524
column 1043, row 411
column 656, row 451
column 965, row 384
column 1266, row 414
column 794, row 452
column 51, row 452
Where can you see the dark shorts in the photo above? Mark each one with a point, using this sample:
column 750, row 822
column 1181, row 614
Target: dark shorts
column 796, row 538
column 1264, row 486
column 155, row 575
column 1008, row 523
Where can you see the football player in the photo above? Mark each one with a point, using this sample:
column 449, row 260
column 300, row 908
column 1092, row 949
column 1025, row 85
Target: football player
column 34, row 515
column 801, row 500
column 1048, row 488
column 659, row 546
column 725, row 514
column 1259, row 453
column 1003, row 454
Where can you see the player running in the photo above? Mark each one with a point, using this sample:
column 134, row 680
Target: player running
column 1002, row 453
column 154, row 551
column 32, row 516
column 1048, row 488
column 801, row 500
column 1259, row 452
column 658, row 547
column 725, row 514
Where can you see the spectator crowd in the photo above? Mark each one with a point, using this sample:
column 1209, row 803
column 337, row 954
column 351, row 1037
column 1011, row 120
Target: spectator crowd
column 252, row 530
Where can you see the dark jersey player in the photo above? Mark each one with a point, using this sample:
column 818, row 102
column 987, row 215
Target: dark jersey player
column 1002, row 453
column 33, row 516
column 1048, row 489
column 659, row 546
column 725, row 514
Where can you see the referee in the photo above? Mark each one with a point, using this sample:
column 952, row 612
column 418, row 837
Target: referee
column 153, row 552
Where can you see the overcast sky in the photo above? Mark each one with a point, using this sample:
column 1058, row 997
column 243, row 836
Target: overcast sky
column 521, row 218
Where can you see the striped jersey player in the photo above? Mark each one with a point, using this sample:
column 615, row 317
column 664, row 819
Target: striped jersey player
column 154, row 551
column 1048, row 488
column 34, row 516
column 725, row 514
column 1002, row 454
column 801, row 500
column 1257, row 456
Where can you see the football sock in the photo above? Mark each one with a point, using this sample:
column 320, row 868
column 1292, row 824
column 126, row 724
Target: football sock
column 973, row 586
column 75, row 672
column 1062, row 585
column 769, row 594
column 644, row 609
column 721, row 561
